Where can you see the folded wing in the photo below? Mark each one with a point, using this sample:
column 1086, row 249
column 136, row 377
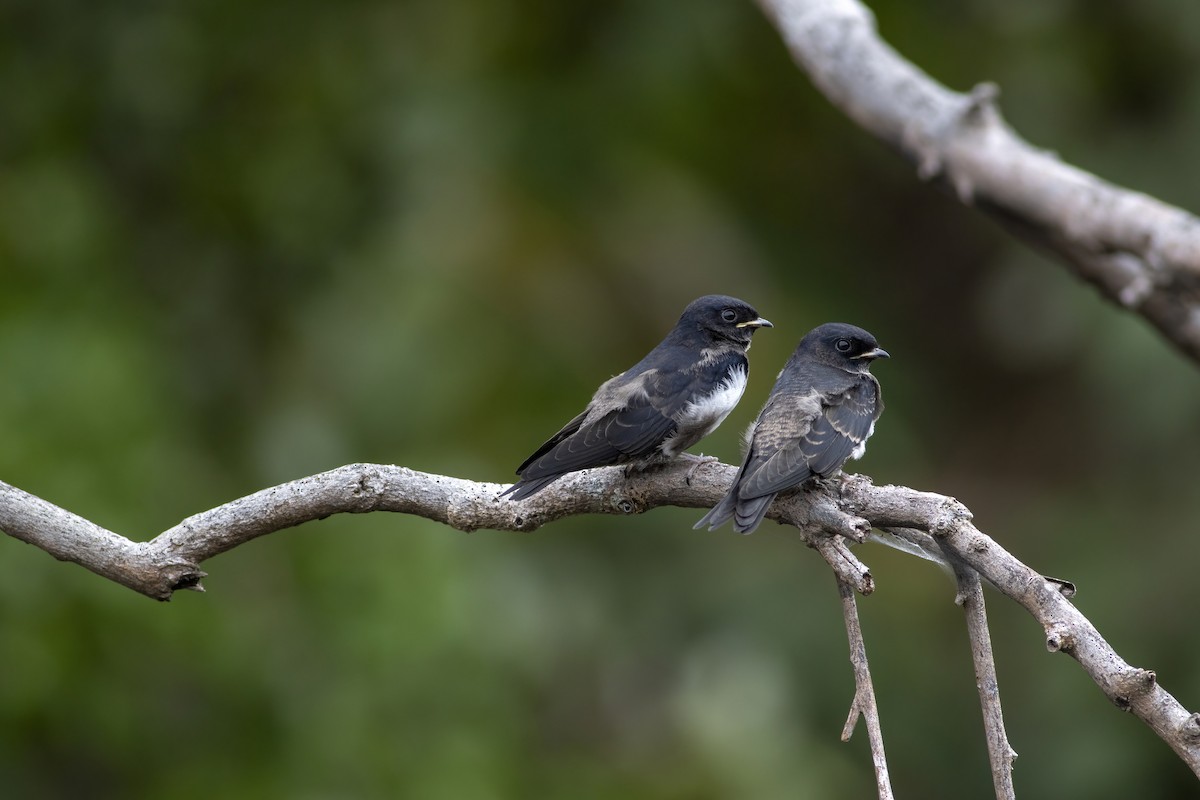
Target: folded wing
column 821, row 448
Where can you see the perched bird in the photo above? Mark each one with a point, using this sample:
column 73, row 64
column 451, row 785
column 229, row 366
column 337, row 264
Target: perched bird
column 653, row 411
column 821, row 412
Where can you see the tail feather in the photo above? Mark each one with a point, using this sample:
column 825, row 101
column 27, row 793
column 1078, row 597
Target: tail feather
column 749, row 513
column 523, row 488
column 719, row 514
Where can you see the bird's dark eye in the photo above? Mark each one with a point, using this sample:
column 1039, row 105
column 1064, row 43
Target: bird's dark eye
column 843, row 345
column 729, row 315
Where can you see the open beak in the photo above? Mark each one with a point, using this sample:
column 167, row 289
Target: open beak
column 755, row 323
column 878, row 352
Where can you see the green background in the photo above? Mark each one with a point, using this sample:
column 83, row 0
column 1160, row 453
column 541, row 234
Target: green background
column 245, row 242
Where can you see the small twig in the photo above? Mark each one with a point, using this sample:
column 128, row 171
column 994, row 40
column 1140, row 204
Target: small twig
column 864, row 692
column 1000, row 752
column 846, row 566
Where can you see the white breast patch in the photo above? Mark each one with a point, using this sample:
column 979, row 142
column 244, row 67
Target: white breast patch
column 702, row 416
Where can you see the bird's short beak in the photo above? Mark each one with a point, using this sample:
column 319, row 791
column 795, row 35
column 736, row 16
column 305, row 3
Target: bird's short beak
column 878, row 352
column 755, row 323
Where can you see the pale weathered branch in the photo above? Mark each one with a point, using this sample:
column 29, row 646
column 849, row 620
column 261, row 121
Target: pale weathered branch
column 1046, row 599
column 970, row 598
column 171, row 560
column 863, row 703
column 1141, row 253
column 837, row 510
column 1000, row 752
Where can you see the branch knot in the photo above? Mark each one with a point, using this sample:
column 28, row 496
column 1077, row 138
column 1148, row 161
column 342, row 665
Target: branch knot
column 1131, row 683
column 626, row 503
column 950, row 515
column 980, row 109
column 1191, row 728
column 1060, row 638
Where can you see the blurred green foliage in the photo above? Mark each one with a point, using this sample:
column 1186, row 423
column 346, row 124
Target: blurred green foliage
column 245, row 242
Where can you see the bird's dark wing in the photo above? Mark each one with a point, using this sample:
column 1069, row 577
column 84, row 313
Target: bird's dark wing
column 843, row 425
column 550, row 443
column 646, row 419
column 584, row 447
column 647, row 403
column 632, row 429
column 620, row 435
column 825, row 448
column 773, row 472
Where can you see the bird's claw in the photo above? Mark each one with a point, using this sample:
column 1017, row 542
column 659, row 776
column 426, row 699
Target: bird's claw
column 697, row 463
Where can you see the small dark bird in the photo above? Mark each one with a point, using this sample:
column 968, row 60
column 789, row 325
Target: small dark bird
column 653, row 411
column 821, row 412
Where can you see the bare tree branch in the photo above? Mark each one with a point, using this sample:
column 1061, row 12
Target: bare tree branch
column 1141, row 253
column 824, row 516
column 171, row 560
column 864, row 692
column 1046, row 599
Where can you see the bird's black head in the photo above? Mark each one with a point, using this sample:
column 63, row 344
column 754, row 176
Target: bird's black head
column 841, row 345
column 722, row 317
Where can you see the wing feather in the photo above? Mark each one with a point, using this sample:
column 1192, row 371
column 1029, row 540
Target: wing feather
column 646, row 406
column 821, row 447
